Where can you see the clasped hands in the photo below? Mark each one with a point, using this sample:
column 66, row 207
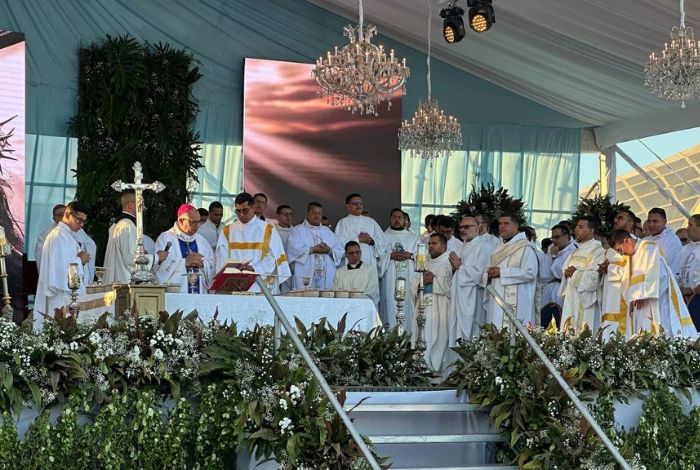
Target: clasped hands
column 493, row 272
column 194, row 260
column 320, row 249
column 400, row 255
column 365, row 237
column 84, row 257
column 568, row 272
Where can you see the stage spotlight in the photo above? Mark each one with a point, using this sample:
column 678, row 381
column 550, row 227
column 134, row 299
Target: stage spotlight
column 481, row 15
column 452, row 25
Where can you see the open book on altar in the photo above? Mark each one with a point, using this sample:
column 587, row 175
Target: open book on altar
column 231, row 278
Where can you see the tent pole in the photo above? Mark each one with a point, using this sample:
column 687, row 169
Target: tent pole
column 646, row 176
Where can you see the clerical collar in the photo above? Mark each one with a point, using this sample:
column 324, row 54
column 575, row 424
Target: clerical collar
column 506, row 240
column 398, row 229
column 125, row 215
column 357, row 266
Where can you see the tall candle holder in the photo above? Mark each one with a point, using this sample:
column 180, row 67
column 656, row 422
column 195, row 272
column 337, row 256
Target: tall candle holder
column 400, row 296
column 421, row 266
column 73, row 285
column 6, row 299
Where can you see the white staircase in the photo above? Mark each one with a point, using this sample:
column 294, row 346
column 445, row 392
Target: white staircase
column 432, row 429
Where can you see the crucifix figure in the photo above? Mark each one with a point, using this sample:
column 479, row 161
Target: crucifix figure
column 141, row 274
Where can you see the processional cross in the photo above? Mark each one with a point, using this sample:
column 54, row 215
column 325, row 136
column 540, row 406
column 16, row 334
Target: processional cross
column 141, row 274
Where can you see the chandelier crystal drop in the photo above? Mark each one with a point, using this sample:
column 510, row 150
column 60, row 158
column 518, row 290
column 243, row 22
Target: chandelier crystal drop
column 431, row 133
column 361, row 75
column 674, row 73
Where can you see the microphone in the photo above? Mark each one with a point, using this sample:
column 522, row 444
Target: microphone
column 167, row 247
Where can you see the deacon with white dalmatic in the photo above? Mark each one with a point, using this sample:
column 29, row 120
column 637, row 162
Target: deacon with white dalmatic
column 397, row 263
column 436, row 301
column 467, row 307
column 580, row 280
column 652, row 293
column 364, row 230
column 60, row 249
column 190, row 259
column 512, row 272
column 253, row 242
column 356, row 275
column 314, row 251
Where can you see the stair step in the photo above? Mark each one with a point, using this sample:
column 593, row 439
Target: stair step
column 415, row 407
column 467, row 467
column 436, row 438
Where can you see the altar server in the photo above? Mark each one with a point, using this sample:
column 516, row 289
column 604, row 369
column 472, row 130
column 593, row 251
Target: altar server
column 313, row 251
column 356, row 275
column 212, row 227
column 190, row 259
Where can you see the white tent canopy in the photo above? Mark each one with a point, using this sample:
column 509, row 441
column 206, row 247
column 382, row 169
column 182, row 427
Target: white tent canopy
column 583, row 58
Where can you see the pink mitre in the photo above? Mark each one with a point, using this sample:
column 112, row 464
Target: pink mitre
column 185, row 208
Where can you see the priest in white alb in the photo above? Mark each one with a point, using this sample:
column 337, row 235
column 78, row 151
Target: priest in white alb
column 121, row 244
column 190, row 258
column 362, row 229
column 467, row 307
column 436, row 301
column 356, row 275
column 446, row 225
column 665, row 238
column 398, row 262
column 283, row 224
column 652, row 293
column 60, row 249
column 212, row 227
column 552, row 268
column 314, row 251
column 252, row 242
column 512, row 271
column 580, row 280
column 689, row 276
column 88, row 245
column 57, row 216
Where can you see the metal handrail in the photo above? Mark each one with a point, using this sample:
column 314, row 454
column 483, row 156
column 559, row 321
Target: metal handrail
column 514, row 321
column 279, row 316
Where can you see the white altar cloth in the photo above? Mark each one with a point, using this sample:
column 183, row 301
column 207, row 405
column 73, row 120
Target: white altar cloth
column 247, row 310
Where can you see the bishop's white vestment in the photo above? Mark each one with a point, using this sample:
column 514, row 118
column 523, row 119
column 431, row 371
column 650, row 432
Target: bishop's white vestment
column 59, row 250
column 400, row 241
column 121, row 250
column 362, row 277
column 319, row 268
column 580, row 291
column 613, row 306
column 467, row 308
column 255, row 243
column 436, row 301
column 173, row 270
column 517, row 283
column 349, row 228
column 670, row 248
column 652, row 279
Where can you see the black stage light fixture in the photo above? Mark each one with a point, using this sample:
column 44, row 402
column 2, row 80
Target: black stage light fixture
column 452, row 25
column 481, row 15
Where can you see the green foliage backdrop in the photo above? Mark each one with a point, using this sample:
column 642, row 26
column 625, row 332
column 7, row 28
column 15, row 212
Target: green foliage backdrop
column 135, row 103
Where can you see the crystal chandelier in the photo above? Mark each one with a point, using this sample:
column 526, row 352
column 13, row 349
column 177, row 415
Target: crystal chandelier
column 431, row 133
column 674, row 75
column 360, row 76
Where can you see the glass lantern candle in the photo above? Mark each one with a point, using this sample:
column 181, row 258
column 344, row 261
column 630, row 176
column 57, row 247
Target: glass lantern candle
column 421, row 258
column 73, row 276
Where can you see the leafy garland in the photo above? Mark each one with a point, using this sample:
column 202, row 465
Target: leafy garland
column 603, row 209
column 119, row 374
column 492, row 202
column 543, row 428
column 134, row 103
